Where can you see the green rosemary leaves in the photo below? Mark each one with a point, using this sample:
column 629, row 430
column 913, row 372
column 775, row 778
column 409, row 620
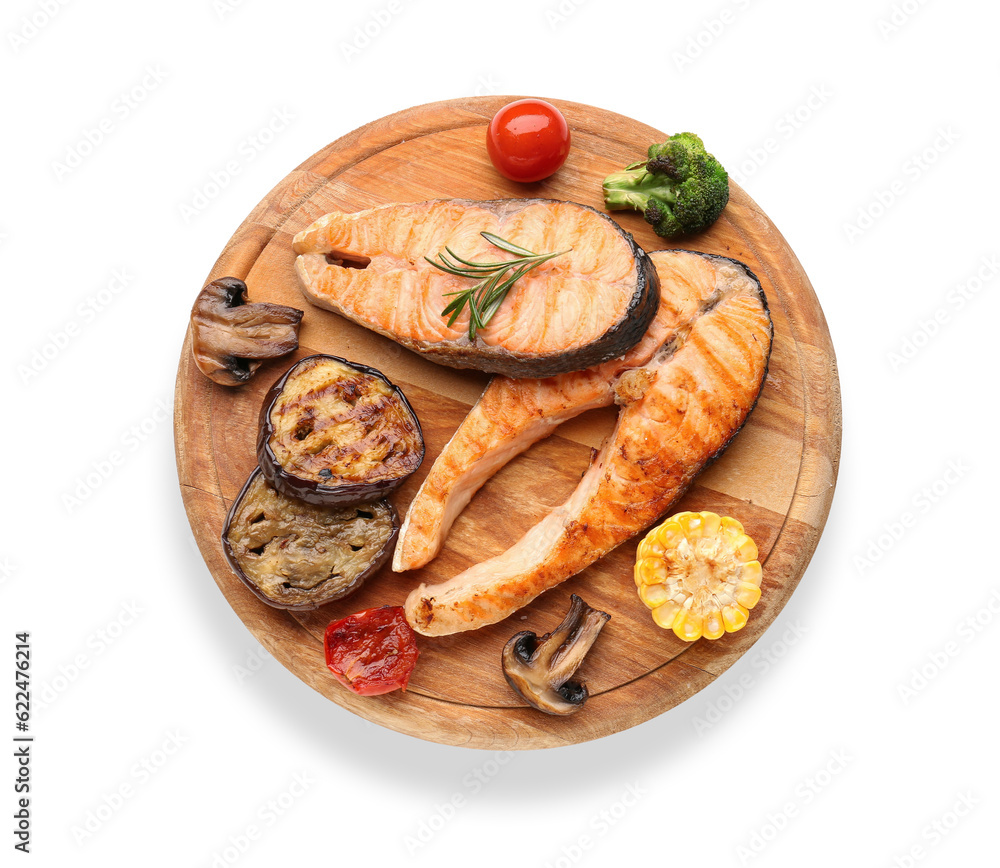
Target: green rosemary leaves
column 493, row 280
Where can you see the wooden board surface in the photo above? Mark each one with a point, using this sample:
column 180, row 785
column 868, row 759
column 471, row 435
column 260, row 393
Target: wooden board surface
column 777, row 477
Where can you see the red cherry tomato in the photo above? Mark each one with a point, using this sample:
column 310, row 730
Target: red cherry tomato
column 373, row 651
column 528, row 140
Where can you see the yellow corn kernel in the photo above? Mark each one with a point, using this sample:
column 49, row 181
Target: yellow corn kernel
column 689, row 626
column 734, row 617
column 752, row 573
column 699, row 575
column 650, row 571
column 654, row 595
column 714, row 626
column 665, row 615
column 746, row 548
column 654, row 549
column 746, row 594
column 710, row 525
column 690, row 523
column 731, row 524
column 670, row 533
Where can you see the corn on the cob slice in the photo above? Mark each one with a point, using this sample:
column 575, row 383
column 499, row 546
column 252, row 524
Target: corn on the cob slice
column 699, row 574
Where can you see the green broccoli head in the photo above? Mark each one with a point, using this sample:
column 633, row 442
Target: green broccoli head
column 680, row 188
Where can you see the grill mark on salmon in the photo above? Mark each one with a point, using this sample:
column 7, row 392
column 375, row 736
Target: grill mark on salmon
column 582, row 308
column 681, row 406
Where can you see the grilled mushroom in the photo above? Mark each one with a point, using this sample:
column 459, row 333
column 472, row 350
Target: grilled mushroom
column 540, row 669
column 231, row 337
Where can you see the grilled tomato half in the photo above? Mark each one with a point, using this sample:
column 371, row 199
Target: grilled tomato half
column 372, row 652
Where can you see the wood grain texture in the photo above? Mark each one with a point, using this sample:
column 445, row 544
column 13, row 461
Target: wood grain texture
column 777, row 477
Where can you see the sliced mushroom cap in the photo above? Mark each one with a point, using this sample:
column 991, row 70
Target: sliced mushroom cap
column 540, row 669
column 231, row 337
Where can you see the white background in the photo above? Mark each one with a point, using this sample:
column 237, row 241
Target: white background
column 861, row 727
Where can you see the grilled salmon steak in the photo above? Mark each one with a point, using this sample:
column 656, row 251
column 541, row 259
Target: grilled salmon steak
column 513, row 413
column 591, row 303
column 684, row 393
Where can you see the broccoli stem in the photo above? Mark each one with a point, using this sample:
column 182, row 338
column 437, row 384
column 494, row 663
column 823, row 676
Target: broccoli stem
column 633, row 189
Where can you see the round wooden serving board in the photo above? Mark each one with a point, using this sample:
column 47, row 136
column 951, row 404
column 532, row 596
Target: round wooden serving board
column 777, row 477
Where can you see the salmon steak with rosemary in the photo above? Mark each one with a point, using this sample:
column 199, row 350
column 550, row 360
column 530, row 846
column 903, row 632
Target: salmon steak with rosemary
column 683, row 392
column 521, row 287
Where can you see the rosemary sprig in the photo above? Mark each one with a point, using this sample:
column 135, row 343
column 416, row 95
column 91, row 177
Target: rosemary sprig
column 493, row 280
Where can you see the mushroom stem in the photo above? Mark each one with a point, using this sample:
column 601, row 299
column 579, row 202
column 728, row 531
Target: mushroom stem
column 566, row 646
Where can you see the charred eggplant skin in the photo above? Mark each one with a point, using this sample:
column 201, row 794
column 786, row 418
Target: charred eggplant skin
column 318, row 600
column 338, row 491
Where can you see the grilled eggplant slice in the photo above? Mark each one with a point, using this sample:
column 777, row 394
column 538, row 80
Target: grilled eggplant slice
column 296, row 555
column 334, row 432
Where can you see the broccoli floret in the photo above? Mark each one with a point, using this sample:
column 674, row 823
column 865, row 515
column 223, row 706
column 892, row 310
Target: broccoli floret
column 680, row 188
